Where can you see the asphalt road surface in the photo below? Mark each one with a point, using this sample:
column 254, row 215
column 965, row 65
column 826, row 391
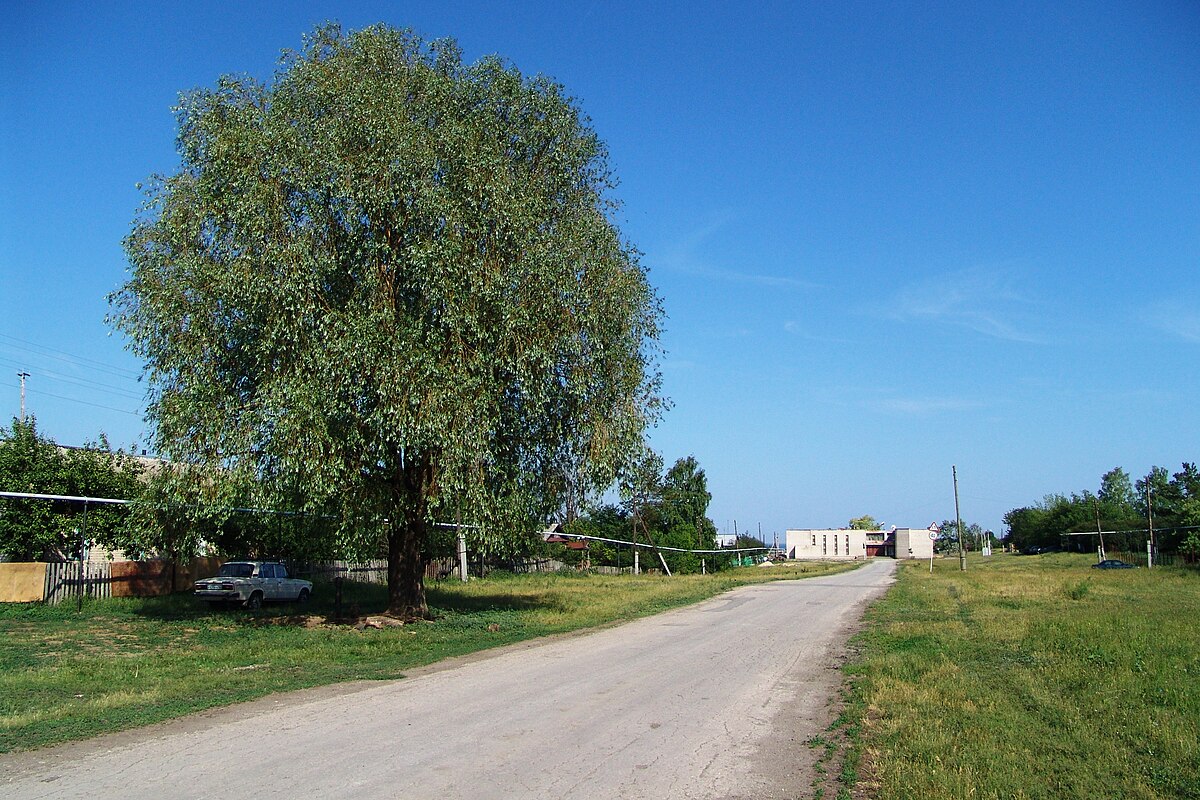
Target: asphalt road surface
column 715, row 700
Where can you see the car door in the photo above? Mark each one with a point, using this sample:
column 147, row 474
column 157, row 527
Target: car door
column 270, row 582
column 286, row 585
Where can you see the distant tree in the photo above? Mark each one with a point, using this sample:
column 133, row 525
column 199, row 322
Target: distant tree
column 1026, row 526
column 684, row 511
column 605, row 522
column 30, row 463
column 947, row 541
column 1119, row 508
column 745, row 540
column 1187, row 480
column 669, row 510
column 1190, row 547
column 1157, row 489
column 389, row 283
column 1116, row 489
column 864, row 523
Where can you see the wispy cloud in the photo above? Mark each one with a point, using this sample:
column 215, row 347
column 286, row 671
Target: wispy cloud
column 888, row 401
column 920, row 406
column 686, row 256
column 1174, row 317
column 797, row 328
column 982, row 300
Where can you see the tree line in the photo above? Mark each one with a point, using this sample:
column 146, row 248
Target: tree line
column 664, row 509
column 1123, row 508
column 155, row 521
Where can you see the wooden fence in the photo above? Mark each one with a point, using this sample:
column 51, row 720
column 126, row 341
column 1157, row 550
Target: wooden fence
column 67, row 579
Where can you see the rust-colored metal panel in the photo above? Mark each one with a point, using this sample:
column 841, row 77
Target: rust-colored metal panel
column 187, row 573
column 141, row 578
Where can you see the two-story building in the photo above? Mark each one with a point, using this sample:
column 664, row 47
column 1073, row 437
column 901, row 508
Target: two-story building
column 846, row 544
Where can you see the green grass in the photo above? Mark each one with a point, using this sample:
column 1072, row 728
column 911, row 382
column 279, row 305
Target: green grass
column 1028, row 677
column 121, row 663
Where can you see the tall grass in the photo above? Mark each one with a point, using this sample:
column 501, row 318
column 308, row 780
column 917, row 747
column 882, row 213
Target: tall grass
column 1030, row 677
column 127, row 662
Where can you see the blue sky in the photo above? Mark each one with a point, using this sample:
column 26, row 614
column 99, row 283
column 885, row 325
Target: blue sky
column 889, row 239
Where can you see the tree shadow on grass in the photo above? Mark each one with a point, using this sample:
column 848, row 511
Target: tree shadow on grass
column 441, row 600
column 358, row 599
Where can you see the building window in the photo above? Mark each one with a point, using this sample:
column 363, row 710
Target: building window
column 824, row 545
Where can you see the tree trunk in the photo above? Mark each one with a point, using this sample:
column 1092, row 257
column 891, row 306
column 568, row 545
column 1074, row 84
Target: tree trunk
column 406, row 570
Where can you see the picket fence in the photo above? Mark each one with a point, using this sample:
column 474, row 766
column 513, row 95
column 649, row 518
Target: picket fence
column 65, row 580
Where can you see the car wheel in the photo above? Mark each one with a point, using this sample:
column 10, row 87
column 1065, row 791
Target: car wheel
column 302, row 598
column 255, row 601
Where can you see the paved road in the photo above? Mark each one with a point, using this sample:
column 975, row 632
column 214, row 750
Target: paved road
column 711, row 701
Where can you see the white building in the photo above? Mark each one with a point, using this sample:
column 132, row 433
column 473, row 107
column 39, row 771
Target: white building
column 845, row 544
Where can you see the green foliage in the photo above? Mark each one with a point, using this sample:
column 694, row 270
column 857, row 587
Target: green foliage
column 671, row 511
column 1190, row 547
column 1118, row 506
column 31, row 530
column 947, row 542
column 1116, row 491
column 387, row 286
column 864, row 523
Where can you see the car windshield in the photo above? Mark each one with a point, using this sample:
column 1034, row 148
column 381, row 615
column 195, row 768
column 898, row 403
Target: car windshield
column 236, row 570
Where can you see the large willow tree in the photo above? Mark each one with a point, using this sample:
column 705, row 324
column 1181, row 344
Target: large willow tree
column 388, row 286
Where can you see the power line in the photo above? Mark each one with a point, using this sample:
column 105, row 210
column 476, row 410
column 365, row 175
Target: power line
column 81, row 402
column 83, row 382
column 71, row 358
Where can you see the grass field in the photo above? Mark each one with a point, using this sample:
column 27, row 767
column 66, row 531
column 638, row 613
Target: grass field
column 127, row 662
column 1028, row 677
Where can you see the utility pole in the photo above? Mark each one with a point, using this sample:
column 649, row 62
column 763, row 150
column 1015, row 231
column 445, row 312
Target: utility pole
column 1150, row 518
column 462, row 543
column 22, row 375
column 1099, row 530
column 962, row 554
column 633, row 545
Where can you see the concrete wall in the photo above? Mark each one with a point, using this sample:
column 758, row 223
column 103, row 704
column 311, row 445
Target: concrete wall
column 913, row 543
column 22, row 582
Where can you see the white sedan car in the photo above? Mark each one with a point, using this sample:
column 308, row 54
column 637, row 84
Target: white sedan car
column 252, row 583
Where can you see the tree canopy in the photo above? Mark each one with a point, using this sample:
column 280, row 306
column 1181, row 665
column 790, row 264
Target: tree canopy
column 388, row 286
column 1120, row 507
column 864, row 523
column 670, row 510
column 32, row 530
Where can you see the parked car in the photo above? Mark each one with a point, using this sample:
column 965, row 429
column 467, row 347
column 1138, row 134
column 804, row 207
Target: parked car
column 252, row 583
column 1113, row 563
